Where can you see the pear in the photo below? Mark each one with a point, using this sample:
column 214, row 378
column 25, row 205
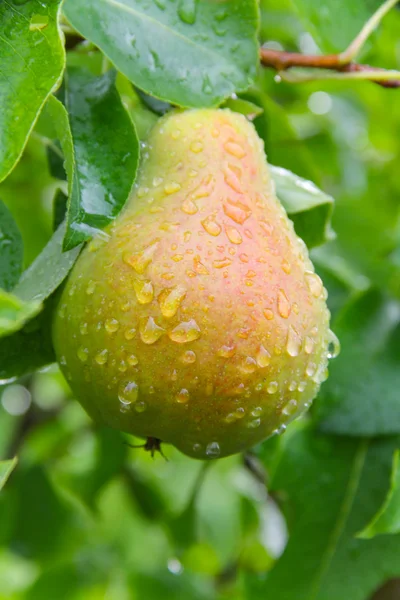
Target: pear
column 197, row 319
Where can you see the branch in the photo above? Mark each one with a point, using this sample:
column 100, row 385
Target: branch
column 281, row 61
column 341, row 66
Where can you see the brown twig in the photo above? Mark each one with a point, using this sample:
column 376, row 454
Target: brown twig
column 281, row 61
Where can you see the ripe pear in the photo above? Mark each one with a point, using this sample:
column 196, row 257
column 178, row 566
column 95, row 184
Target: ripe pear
column 198, row 319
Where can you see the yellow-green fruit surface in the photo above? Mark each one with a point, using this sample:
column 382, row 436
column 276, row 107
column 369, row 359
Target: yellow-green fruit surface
column 198, row 319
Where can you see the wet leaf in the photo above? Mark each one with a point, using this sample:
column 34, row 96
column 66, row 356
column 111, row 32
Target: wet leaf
column 32, row 61
column 101, row 152
column 188, row 52
column 14, row 312
column 309, row 208
column 48, row 270
column 11, row 249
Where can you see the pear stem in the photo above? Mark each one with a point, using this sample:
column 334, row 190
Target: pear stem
column 340, row 66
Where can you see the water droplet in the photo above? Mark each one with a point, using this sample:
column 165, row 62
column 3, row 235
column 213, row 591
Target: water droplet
column 234, row 149
column 302, row 386
column 189, row 207
column 269, row 314
column 237, row 211
column 183, row 396
column 243, row 258
column 141, row 260
column 211, row 226
column 314, row 283
column 244, row 333
column 256, row 412
column 333, row 345
column 308, row 345
column 197, row 447
column 132, row 360
column 122, row 367
column 187, row 331
column 170, row 300
column 286, row 268
column 150, row 332
column 249, row 365
column 101, row 357
column 187, row 11
column 254, row 423
column 310, row 369
column 233, row 235
column 140, row 406
column 83, row 354
column 199, row 267
column 90, row 287
column 263, row 357
column 111, row 325
column 293, row 342
column 213, row 450
column 171, row 187
column 227, row 350
column 223, row 262
column 283, row 305
column 157, row 181
column 127, row 394
column 188, row 357
column 240, row 412
column 196, row 147
column 233, row 182
column 125, row 306
column 130, row 334
column 144, row 291
column 230, row 418
column 290, row 408
column 83, row 328
column 272, row 387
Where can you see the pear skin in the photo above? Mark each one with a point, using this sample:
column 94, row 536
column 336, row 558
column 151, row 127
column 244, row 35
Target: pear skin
column 197, row 319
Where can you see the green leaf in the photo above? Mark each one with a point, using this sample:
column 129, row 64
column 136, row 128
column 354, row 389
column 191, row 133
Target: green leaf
column 244, row 107
column 387, row 519
column 309, row 207
column 28, row 349
column 32, row 61
column 48, row 271
column 60, row 203
column 14, row 312
column 6, row 468
column 101, row 149
column 361, row 397
column 333, row 486
column 11, row 249
column 186, row 52
column 335, row 23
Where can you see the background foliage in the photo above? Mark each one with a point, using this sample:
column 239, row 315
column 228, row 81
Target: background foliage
column 310, row 515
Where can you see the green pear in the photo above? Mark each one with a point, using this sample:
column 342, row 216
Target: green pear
column 197, row 319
